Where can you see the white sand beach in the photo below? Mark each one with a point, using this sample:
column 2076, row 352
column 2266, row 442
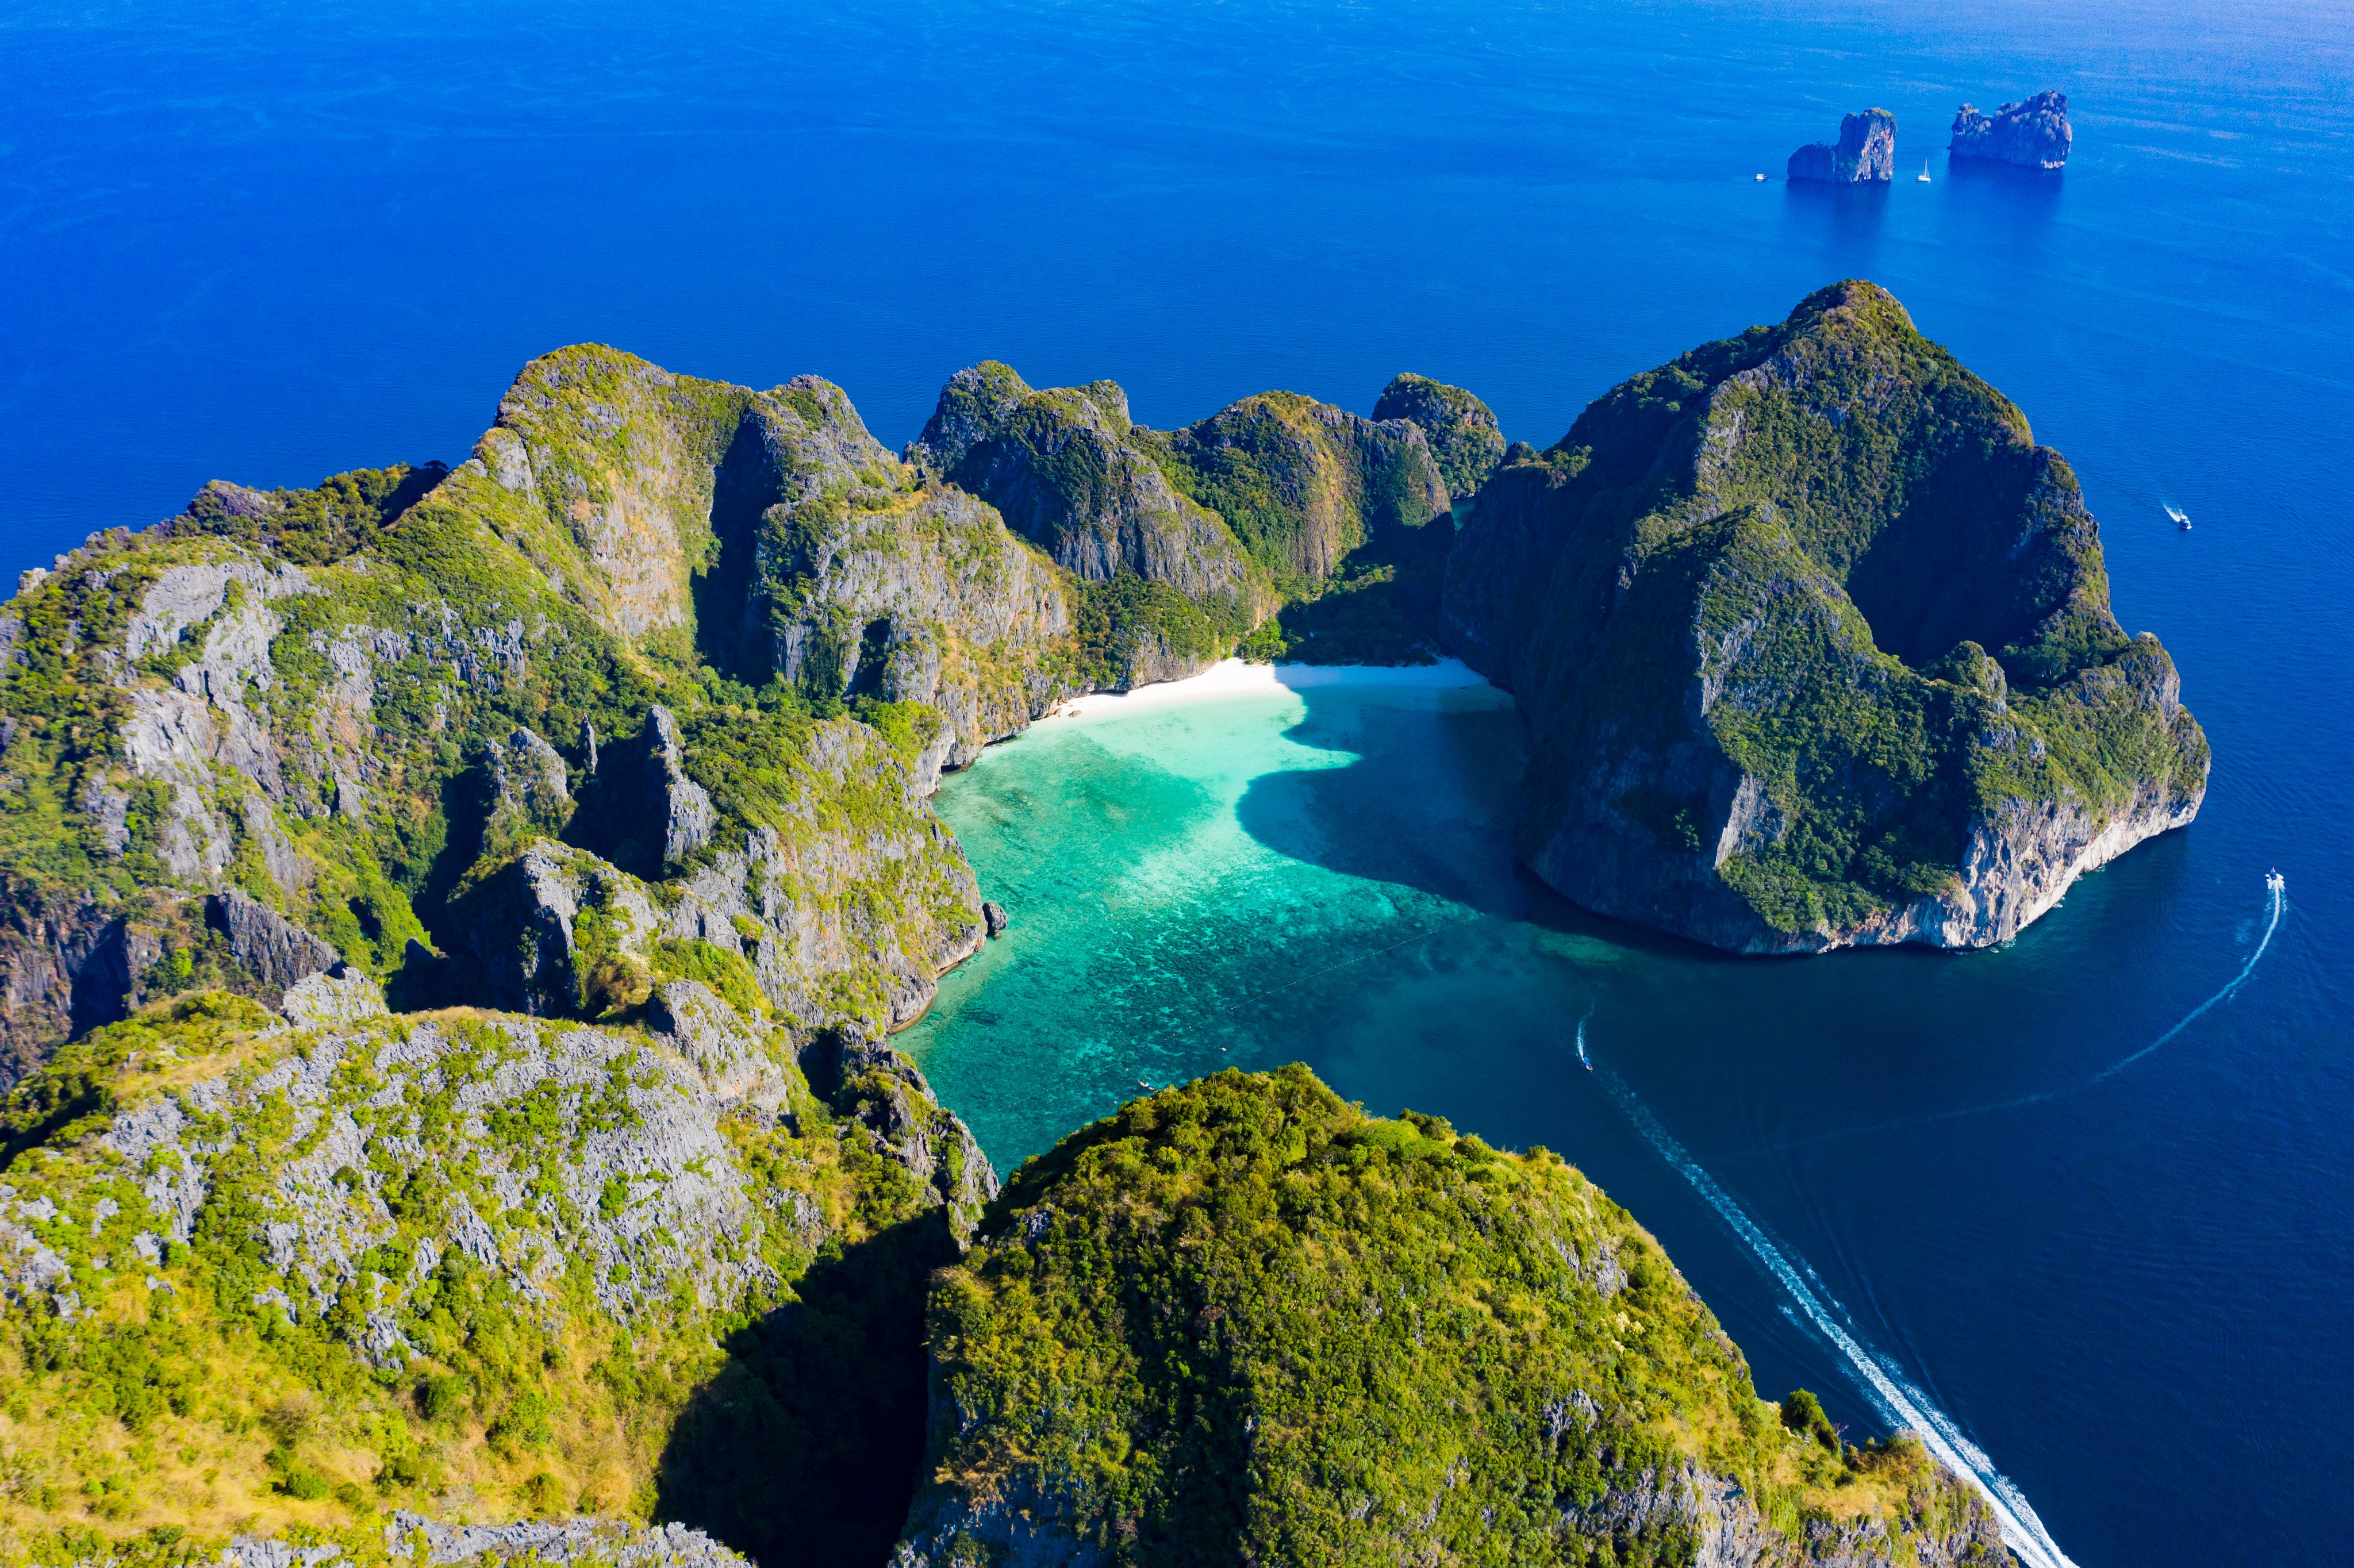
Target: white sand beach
column 1237, row 678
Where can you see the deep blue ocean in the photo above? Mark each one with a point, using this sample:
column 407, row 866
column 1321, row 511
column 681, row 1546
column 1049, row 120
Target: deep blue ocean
column 269, row 242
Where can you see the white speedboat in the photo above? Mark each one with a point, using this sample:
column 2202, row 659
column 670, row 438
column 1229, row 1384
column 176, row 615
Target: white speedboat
column 2180, row 516
column 2276, row 882
column 1923, row 176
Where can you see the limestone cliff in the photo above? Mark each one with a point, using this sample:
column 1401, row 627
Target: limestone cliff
column 1062, row 468
column 1303, row 485
column 2030, row 135
column 1816, row 649
column 1864, row 153
column 718, row 641
column 1190, row 537
column 631, row 620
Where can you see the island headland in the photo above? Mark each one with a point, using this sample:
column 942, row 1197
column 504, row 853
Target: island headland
column 454, row 918
column 1816, row 649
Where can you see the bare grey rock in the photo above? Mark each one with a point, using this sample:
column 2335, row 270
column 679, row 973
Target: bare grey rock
column 268, row 946
column 284, row 864
column 333, row 1002
column 109, row 809
column 2034, row 135
column 1864, row 153
column 184, row 597
column 411, row 1538
column 703, row 1028
column 531, row 794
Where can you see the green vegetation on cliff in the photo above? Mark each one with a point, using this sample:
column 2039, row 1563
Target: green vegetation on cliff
column 301, row 694
column 293, row 1279
column 1242, row 1321
column 1277, row 502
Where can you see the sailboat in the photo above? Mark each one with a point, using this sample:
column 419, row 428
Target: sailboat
column 2182, row 517
column 1923, row 176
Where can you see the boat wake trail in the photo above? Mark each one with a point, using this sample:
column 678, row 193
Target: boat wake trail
column 2276, row 897
column 1583, row 1060
column 1898, row 1401
column 2275, row 901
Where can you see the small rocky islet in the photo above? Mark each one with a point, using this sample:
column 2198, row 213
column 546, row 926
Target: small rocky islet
column 455, row 920
column 2033, row 134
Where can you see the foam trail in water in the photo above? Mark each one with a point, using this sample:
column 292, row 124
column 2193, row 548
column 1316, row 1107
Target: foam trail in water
column 2276, row 890
column 2277, row 901
column 1898, row 1400
column 1582, row 1059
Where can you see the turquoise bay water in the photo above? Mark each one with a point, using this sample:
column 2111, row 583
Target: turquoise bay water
column 1929, row 1160
column 1199, row 885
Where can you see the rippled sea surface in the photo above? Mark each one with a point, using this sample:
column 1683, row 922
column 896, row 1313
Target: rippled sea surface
column 270, row 242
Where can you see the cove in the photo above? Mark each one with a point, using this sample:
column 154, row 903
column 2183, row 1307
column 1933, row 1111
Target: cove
column 1317, row 866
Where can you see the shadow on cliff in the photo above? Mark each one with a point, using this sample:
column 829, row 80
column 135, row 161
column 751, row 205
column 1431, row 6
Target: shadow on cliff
column 1429, row 803
column 804, row 1448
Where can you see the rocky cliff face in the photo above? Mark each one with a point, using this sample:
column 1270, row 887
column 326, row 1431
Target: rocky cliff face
column 1864, row 153
column 1748, row 605
column 2030, row 135
column 1061, row 467
column 1304, row 484
column 290, row 728
column 629, row 624
column 476, row 1263
column 925, row 595
column 1180, row 1338
column 1188, row 539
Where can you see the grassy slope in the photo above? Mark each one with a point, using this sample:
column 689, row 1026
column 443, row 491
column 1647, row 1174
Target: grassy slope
column 176, row 1390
